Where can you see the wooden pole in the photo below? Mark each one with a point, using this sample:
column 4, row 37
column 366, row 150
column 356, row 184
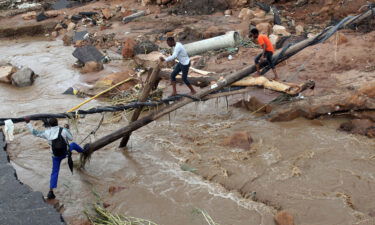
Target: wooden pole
column 229, row 79
column 143, row 97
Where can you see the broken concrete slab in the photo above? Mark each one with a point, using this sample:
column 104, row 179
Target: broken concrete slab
column 80, row 36
column 88, row 53
column 24, row 77
column 18, row 203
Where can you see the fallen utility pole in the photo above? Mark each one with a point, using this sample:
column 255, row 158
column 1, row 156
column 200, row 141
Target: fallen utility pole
column 143, row 97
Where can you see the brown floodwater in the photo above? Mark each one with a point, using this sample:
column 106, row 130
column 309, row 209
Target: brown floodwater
column 320, row 175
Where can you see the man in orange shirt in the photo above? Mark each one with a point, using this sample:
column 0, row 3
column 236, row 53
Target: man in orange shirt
column 267, row 53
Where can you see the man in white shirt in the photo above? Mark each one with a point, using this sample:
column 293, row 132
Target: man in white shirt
column 183, row 65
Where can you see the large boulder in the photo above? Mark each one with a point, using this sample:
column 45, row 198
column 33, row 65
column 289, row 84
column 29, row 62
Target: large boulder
column 24, row 77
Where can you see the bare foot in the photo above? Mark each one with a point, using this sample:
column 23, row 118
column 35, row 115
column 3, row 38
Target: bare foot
column 193, row 92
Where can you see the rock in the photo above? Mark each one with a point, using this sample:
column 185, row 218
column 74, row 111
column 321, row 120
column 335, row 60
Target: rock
column 113, row 190
column 284, row 218
column 6, row 74
column 29, row 15
column 53, row 13
column 107, row 13
column 280, row 30
column 128, row 48
column 146, row 2
column 163, row 2
column 273, row 38
column 246, row 14
column 58, row 27
column 145, row 47
column 68, row 39
column 237, row 3
column 264, row 28
column 148, row 60
column 24, row 77
column 71, row 26
column 260, row 14
column 54, row 34
column 88, row 53
column 359, row 126
column 266, row 19
column 228, row 12
column 299, row 30
column 92, row 66
column 115, row 78
column 338, row 38
column 240, row 139
column 254, row 104
column 213, row 31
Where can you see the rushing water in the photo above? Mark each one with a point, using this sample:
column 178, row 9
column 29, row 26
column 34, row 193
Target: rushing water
column 297, row 165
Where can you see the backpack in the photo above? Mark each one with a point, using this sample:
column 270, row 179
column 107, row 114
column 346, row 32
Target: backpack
column 59, row 145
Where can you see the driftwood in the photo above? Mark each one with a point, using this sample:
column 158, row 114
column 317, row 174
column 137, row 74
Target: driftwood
column 143, row 97
column 228, row 80
column 288, row 88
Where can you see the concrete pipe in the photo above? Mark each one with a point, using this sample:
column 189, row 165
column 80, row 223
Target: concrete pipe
column 227, row 40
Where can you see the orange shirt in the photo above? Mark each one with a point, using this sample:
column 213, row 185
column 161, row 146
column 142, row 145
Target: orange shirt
column 263, row 39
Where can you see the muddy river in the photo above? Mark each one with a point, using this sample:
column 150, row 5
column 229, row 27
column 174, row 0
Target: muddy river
column 316, row 173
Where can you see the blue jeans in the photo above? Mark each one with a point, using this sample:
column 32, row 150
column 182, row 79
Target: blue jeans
column 56, row 161
column 185, row 70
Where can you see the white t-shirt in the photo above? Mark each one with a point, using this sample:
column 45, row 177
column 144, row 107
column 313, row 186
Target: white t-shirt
column 180, row 53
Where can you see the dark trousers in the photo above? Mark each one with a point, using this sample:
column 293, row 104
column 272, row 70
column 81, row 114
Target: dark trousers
column 185, row 70
column 56, row 161
column 269, row 59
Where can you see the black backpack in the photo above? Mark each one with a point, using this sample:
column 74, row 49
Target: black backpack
column 59, row 145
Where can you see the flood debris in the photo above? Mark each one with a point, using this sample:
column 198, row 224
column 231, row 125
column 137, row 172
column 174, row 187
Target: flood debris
column 132, row 17
column 88, row 53
column 17, row 77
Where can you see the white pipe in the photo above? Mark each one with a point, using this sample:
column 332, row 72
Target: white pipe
column 227, row 40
